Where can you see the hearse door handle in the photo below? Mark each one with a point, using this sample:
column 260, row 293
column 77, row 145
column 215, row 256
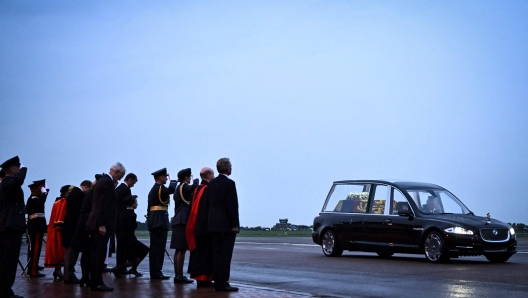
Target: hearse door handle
column 388, row 221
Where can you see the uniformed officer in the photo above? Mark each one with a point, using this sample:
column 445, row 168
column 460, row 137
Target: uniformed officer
column 158, row 221
column 12, row 223
column 36, row 224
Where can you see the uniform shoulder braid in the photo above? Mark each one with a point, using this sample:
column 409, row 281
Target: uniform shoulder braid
column 166, row 203
column 181, row 194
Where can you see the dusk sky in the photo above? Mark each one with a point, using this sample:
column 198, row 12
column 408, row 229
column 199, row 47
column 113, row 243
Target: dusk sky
column 297, row 93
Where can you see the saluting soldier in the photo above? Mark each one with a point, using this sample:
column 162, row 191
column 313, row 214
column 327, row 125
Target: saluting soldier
column 36, row 224
column 12, row 222
column 182, row 200
column 158, row 221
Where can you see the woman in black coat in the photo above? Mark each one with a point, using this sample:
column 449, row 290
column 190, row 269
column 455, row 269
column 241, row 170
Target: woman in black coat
column 135, row 251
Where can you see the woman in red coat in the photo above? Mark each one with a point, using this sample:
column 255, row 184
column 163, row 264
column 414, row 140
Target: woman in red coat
column 54, row 257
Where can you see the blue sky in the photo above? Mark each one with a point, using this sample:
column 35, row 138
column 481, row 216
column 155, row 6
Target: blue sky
column 297, row 93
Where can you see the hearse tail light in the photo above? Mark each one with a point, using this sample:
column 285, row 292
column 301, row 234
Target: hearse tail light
column 459, row 230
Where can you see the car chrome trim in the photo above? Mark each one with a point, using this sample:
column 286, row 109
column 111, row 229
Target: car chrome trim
column 465, row 247
column 494, row 241
column 418, row 229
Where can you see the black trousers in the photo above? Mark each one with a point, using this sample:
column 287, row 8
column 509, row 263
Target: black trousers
column 34, row 249
column 70, row 259
column 120, row 251
column 86, row 260
column 158, row 241
column 10, row 240
column 99, row 252
column 223, row 244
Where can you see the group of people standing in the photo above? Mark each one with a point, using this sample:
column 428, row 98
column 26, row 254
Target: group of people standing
column 85, row 220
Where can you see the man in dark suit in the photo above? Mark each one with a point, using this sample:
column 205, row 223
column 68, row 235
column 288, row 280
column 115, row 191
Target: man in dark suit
column 101, row 223
column 123, row 199
column 223, row 223
column 158, row 221
column 12, row 222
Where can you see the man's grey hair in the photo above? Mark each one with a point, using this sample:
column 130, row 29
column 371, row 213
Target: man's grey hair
column 118, row 167
column 223, row 165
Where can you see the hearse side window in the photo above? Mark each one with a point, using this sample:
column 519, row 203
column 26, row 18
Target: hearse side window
column 381, row 196
column 399, row 202
column 350, row 198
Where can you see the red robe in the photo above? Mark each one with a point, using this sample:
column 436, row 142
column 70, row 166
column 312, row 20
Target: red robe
column 54, row 256
column 191, row 240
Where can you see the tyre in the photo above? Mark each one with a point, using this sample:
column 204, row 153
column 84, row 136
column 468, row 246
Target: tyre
column 498, row 258
column 385, row 254
column 434, row 248
column 329, row 245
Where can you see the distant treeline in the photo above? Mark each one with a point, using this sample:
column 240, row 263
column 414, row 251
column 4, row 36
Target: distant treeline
column 259, row 228
column 519, row 227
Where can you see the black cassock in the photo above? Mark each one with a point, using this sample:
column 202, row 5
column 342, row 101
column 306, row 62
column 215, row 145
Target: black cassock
column 36, row 227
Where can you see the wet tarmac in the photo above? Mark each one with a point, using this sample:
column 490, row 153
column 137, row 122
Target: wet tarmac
column 295, row 267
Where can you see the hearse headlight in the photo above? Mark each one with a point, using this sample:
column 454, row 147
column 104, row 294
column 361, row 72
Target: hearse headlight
column 512, row 231
column 459, row 230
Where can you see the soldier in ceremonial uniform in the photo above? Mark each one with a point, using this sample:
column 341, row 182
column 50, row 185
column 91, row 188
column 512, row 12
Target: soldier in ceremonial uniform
column 182, row 199
column 158, row 221
column 12, row 222
column 36, row 224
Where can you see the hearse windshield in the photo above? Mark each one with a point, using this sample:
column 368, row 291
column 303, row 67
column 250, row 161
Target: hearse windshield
column 437, row 201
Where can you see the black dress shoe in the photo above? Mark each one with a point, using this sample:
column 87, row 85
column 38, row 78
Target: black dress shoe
column 108, row 269
column 38, row 274
column 204, row 284
column 159, row 277
column 40, row 268
column 227, row 289
column 183, row 280
column 102, row 288
column 135, row 272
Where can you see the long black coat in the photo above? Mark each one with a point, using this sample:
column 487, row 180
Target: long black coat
column 13, row 210
column 103, row 212
column 74, row 202
column 159, row 219
column 182, row 209
column 35, row 204
column 223, row 205
column 80, row 240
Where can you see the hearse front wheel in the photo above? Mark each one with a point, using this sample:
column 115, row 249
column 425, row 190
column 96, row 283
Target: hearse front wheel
column 434, row 248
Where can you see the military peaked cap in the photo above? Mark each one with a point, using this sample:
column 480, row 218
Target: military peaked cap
column 15, row 161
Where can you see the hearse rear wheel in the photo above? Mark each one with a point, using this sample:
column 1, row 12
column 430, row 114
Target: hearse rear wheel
column 329, row 245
